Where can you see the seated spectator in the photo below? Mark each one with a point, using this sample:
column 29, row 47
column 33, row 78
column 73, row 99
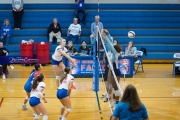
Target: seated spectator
column 130, row 107
column 93, row 28
column 74, row 32
column 71, row 50
column 3, row 53
column 131, row 51
column 6, row 32
column 80, row 8
column 83, row 50
column 54, row 30
column 18, row 12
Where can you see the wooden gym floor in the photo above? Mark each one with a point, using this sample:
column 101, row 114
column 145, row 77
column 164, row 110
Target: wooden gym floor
column 158, row 89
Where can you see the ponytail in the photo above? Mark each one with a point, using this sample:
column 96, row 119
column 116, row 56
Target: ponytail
column 32, row 71
column 63, row 77
column 36, row 81
column 66, row 70
column 36, row 67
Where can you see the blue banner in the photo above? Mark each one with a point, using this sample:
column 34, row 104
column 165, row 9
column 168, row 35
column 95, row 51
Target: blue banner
column 85, row 66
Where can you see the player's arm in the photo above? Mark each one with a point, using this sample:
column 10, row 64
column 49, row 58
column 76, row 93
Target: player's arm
column 67, row 56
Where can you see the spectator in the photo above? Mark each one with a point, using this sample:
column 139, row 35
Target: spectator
column 130, row 107
column 17, row 13
column 3, row 52
column 84, row 50
column 71, row 50
column 74, row 32
column 93, row 28
column 6, row 32
column 131, row 51
column 80, row 8
column 54, row 30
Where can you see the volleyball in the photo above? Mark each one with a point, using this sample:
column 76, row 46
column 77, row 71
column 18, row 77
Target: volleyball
column 131, row 34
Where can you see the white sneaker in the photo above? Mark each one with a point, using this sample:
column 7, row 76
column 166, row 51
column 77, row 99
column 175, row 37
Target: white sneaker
column 34, row 114
column 104, row 94
column 3, row 76
column 11, row 67
column 63, row 118
column 24, row 107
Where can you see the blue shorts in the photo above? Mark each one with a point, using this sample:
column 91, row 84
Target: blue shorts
column 62, row 93
column 27, row 87
column 55, row 62
column 34, row 101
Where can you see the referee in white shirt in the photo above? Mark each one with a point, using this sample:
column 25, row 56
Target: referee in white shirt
column 74, row 32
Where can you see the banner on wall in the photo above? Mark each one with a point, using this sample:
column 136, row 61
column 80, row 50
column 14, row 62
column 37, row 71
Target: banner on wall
column 86, row 66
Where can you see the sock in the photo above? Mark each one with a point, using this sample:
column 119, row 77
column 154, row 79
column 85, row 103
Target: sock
column 45, row 117
column 114, row 100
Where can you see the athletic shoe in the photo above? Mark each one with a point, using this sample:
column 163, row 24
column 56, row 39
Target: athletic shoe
column 11, row 67
column 3, row 76
column 104, row 95
column 107, row 99
column 24, row 107
column 34, row 114
column 59, row 118
column 63, row 118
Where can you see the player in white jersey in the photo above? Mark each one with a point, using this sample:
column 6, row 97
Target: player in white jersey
column 57, row 57
column 37, row 93
column 64, row 92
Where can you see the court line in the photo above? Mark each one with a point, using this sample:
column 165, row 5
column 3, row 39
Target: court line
column 94, row 97
column 1, row 101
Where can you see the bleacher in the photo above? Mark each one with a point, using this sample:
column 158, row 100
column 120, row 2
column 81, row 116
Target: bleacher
column 157, row 26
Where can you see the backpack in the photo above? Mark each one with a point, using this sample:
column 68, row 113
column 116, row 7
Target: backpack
column 144, row 51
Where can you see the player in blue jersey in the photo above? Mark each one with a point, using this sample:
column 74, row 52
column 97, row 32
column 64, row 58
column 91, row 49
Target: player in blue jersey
column 28, row 84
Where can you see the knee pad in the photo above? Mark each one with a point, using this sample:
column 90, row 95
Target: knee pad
column 27, row 98
column 117, row 93
column 45, row 117
column 69, row 109
column 57, row 77
column 37, row 116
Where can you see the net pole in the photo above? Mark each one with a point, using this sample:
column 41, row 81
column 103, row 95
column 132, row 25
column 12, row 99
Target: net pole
column 97, row 78
column 110, row 64
column 98, row 8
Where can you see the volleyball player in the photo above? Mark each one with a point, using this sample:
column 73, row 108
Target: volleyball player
column 27, row 85
column 115, row 53
column 37, row 93
column 64, row 92
column 57, row 57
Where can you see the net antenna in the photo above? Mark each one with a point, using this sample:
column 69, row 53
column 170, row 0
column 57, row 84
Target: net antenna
column 110, row 64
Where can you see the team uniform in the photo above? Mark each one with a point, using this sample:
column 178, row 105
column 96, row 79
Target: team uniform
column 57, row 57
column 36, row 94
column 63, row 88
column 27, row 86
column 113, row 55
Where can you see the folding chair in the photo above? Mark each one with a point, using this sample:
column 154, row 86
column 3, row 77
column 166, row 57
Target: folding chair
column 176, row 64
column 139, row 55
